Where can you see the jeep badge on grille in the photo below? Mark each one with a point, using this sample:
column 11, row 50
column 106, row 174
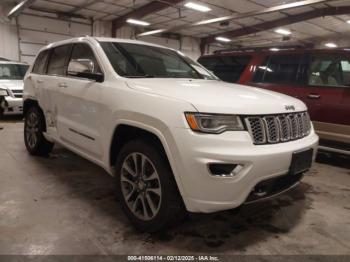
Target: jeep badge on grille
column 290, row 108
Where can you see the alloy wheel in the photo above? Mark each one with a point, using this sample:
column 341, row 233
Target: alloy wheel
column 31, row 129
column 141, row 186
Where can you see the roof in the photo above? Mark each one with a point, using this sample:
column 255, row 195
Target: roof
column 100, row 39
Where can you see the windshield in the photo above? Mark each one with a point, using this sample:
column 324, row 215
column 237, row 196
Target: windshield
column 141, row 61
column 12, row 71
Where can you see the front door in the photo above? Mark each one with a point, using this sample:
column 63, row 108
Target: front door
column 80, row 106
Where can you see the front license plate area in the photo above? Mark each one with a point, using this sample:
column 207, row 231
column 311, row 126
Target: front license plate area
column 301, row 162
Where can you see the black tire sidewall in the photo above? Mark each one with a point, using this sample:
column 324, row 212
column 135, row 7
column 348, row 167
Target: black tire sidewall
column 41, row 141
column 170, row 195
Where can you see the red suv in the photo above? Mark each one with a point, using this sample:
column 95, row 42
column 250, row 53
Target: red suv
column 320, row 78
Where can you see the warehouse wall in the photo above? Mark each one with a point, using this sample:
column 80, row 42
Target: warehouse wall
column 37, row 31
column 8, row 41
column 8, row 35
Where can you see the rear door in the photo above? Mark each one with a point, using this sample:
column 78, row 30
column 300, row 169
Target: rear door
column 279, row 73
column 326, row 92
column 56, row 73
column 39, row 81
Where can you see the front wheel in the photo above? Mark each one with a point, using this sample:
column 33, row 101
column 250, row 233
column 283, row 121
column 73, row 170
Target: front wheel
column 146, row 187
column 34, row 128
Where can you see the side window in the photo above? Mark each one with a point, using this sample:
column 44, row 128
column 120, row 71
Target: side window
column 345, row 66
column 328, row 70
column 227, row 68
column 278, row 69
column 57, row 64
column 83, row 52
column 40, row 63
column 260, row 71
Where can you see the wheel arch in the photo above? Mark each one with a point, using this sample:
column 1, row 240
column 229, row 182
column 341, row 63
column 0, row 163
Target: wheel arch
column 125, row 132
column 28, row 103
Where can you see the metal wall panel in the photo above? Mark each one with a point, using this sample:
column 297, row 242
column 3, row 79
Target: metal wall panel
column 36, row 32
column 8, row 41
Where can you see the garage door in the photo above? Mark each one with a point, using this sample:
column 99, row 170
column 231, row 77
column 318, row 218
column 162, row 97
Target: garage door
column 36, row 32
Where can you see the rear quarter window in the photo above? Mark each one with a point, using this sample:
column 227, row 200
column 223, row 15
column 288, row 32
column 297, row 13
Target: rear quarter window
column 278, row 69
column 227, row 68
column 41, row 62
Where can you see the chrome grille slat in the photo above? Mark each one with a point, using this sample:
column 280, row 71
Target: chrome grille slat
column 279, row 128
column 272, row 130
column 256, row 129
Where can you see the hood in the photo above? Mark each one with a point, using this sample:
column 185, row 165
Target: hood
column 12, row 84
column 211, row 96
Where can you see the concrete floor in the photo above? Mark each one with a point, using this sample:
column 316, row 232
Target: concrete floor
column 66, row 205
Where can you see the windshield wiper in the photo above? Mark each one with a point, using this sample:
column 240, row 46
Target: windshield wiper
column 141, row 76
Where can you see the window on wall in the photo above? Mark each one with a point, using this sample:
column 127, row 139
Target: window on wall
column 328, row 70
column 278, row 69
column 57, row 64
column 227, row 68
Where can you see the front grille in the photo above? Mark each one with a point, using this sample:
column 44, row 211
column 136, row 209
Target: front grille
column 18, row 93
column 280, row 128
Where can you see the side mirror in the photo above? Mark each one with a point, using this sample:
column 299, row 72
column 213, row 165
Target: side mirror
column 84, row 68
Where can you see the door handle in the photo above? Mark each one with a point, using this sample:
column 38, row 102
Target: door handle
column 64, row 85
column 39, row 81
column 313, row 96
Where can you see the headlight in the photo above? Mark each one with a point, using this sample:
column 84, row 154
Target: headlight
column 211, row 123
column 3, row 92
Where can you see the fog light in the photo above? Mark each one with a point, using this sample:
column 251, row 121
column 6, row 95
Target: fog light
column 224, row 170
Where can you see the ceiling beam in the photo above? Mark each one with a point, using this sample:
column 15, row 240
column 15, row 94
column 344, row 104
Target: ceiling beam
column 267, row 10
column 147, row 9
column 15, row 11
column 292, row 19
column 82, row 6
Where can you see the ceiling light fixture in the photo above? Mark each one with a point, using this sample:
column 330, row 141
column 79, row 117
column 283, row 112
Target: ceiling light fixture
column 274, row 49
column 152, row 32
column 223, row 39
column 283, row 31
column 236, row 16
column 197, row 7
column 348, row 21
column 331, row 45
column 137, row 22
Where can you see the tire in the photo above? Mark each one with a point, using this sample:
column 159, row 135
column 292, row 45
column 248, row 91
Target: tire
column 34, row 127
column 156, row 185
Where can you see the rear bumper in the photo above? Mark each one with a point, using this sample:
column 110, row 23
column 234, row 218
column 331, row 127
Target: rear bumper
column 14, row 106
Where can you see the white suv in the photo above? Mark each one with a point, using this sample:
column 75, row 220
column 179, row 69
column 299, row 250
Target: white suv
column 11, row 79
column 174, row 137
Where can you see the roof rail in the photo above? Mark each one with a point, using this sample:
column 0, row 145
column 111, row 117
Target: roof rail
column 262, row 48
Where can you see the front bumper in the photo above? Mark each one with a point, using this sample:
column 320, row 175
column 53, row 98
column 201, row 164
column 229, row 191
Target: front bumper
column 203, row 192
column 14, row 106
